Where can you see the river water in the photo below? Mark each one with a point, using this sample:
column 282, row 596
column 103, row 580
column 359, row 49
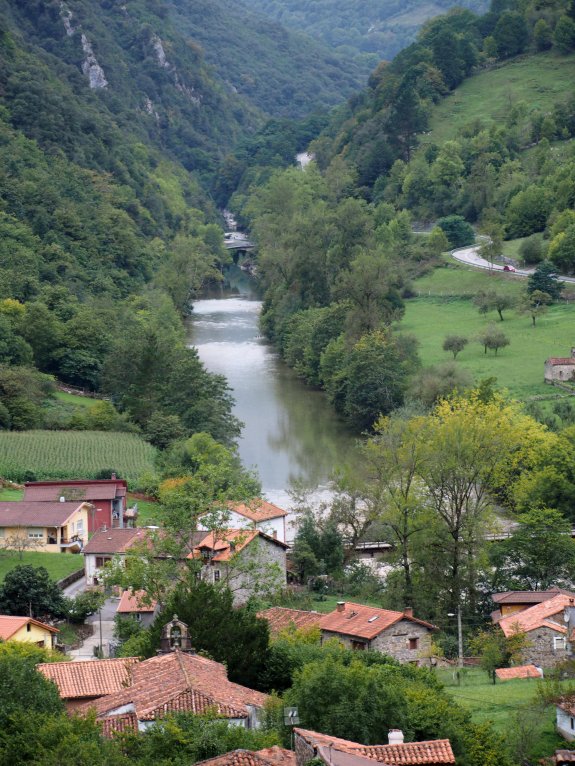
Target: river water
column 290, row 432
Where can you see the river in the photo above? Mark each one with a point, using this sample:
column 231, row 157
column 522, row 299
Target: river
column 290, row 432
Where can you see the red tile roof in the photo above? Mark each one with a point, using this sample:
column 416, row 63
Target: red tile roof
column 24, row 514
column 567, row 703
column 179, row 682
column 133, row 602
column 553, row 360
column 75, row 489
column 230, row 541
column 90, row 678
column 118, row 724
column 528, row 596
column 522, row 671
column 279, row 618
column 564, row 756
column 10, row 625
column 539, row 616
column 430, row 753
column 115, row 540
column 258, row 510
column 365, row 621
column 271, row 756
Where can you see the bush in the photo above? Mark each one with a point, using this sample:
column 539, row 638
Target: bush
column 83, row 605
column 532, row 250
column 457, row 230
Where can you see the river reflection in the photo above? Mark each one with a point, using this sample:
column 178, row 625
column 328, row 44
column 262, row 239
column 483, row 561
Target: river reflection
column 290, row 432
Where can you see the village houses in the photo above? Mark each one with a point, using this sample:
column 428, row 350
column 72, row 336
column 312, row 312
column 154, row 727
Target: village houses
column 27, row 630
column 255, row 514
column 57, row 527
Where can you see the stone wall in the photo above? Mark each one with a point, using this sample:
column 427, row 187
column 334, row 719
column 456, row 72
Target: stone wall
column 540, row 650
column 394, row 641
column 304, row 752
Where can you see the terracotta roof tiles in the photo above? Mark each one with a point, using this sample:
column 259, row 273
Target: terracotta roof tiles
column 430, row 753
column 280, row 618
column 118, row 724
column 538, row 616
column 364, row 621
column 90, row 678
column 528, row 596
column 25, row 514
column 258, row 510
column 134, row 602
column 225, row 543
column 115, row 540
column 271, row 756
column 522, row 671
column 10, row 625
column 553, row 360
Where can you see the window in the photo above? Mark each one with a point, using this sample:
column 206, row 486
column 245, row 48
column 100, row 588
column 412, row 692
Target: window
column 80, row 527
column 216, row 575
column 1, row 532
column 572, row 724
column 28, row 627
column 101, row 560
column 358, row 645
column 413, row 643
column 36, row 534
column 558, row 643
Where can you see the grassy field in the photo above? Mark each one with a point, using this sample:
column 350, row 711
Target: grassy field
column 500, row 703
column 7, row 494
column 77, row 401
column 73, row 454
column 444, row 306
column 59, row 565
column 148, row 513
column 541, row 81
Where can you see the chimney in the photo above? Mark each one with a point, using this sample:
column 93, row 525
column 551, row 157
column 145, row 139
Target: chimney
column 62, row 499
column 340, row 606
column 395, row 737
column 408, row 612
column 113, row 475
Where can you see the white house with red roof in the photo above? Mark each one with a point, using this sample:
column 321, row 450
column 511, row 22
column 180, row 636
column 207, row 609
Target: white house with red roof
column 107, row 497
column 105, row 545
column 398, row 634
column 256, row 514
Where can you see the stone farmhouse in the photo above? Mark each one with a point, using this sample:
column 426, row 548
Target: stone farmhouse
column 333, row 751
column 514, row 601
column 106, row 496
column 398, row 634
column 27, row 630
column 49, row 527
column 549, row 628
column 279, row 618
column 236, row 556
column 559, row 369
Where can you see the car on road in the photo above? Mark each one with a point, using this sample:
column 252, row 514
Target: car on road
column 507, row 267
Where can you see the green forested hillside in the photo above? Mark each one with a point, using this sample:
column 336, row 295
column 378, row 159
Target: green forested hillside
column 367, row 29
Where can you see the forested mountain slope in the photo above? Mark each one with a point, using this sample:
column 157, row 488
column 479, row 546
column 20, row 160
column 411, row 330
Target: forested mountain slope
column 367, row 29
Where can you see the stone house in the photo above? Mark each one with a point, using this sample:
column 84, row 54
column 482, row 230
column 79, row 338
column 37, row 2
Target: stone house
column 280, row 619
column 135, row 604
column 558, row 369
column 333, row 751
column 398, row 634
column 247, row 561
column 549, row 629
column 514, row 601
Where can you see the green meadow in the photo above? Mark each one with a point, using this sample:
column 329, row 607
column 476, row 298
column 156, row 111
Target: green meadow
column 59, row 565
column 443, row 306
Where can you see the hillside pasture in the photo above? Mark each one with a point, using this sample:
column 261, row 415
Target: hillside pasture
column 59, row 565
column 443, row 306
column 541, row 81
column 43, row 455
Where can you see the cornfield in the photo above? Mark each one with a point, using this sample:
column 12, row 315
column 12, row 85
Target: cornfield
column 43, row 455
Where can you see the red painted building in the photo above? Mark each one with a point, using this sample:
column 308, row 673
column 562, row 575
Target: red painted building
column 107, row 496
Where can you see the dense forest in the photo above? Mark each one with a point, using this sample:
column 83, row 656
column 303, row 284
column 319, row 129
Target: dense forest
column 367, row 30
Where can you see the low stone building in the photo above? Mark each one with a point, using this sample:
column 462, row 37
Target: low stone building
column 559, row 369
column 549, row 627
column 398, row 634
column 136, row 604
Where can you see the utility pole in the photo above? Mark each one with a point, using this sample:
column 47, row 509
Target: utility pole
column 101, row 653
column 459, row 637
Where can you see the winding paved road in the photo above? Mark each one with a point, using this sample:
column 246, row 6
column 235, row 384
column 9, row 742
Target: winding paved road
column 470, row 256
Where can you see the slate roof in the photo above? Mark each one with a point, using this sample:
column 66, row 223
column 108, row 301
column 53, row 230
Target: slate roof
column 10, row 625
column 522, row 671
column 539, row 616
column 179, row 682
column 428, row 753
column 89, row 678
column 271, row 756
column 115, row 540
column 365, row 621
column 132, row 602
column 279, row 618
column 258, row 510
column 25, row 514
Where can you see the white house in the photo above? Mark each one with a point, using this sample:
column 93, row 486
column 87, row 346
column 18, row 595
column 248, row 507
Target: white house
column 256, row 514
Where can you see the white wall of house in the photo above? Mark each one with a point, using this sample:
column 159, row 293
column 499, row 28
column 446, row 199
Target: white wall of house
column 92, row 566
column 272, row 527
column 565, row 724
